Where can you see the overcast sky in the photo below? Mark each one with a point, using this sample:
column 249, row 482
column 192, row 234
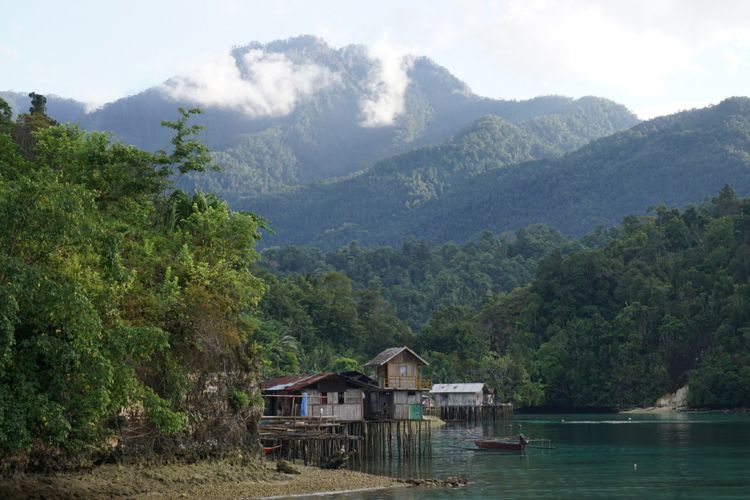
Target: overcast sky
column 656, row 57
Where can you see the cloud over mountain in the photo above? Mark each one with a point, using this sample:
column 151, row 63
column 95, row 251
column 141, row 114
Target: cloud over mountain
column 266, row 83
column 387, row 85
column 258, row 83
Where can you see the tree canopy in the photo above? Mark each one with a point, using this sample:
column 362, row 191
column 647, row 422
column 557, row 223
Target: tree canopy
column 117, row 293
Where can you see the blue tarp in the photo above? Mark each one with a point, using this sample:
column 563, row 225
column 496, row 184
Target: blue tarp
column 303, row 405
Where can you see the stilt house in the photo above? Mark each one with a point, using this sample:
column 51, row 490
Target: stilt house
column 320, row 395
column 400, row 385
column 461, row 395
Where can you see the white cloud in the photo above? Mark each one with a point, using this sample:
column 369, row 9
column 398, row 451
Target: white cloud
column 633, row 51
column 387, row 84
column 10, row 52
column 733, row 59
column 272, row 84
column 543, row 41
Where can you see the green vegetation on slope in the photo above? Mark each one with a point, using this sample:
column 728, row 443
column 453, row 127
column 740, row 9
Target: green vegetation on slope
column 619, row 320
column 417, row 278
column 117, row 301
column 374, row 207
column 675, row 160
column 122, row 299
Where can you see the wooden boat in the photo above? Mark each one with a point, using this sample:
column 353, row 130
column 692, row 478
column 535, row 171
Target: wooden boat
column 503, row 443
column 270, row 449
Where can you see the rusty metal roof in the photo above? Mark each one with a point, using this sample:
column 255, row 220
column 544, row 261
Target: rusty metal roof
column 391, row 353
column 293, row 382
column 299, row 382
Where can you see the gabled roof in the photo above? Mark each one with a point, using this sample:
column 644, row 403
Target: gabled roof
column 391, row 353
column 359, row 377
column 457, row 388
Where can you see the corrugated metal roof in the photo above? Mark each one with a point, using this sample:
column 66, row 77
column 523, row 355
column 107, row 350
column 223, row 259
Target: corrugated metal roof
column 391, row 353
column 299, row 382
column 457, row 388
column 293, row 382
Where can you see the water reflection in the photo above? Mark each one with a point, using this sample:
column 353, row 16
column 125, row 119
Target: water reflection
column 613, row 456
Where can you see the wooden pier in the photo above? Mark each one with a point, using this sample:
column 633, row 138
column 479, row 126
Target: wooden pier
column 472, row 414
column 384, row 440
column 316, row 440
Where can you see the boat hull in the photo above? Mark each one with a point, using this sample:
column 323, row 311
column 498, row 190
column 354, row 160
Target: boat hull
column 494, row 444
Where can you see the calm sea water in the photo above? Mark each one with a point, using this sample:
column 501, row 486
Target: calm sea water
column 678, row 456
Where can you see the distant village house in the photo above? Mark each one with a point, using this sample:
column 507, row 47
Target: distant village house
column 400, row 385
column 319, row 395
column 395, row 394
column 450, row 395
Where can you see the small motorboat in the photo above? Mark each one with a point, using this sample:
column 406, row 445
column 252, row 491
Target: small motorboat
column 517, row 444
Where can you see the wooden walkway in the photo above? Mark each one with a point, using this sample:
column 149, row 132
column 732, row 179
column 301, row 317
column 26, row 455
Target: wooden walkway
column 315, row 440
column 471, row 414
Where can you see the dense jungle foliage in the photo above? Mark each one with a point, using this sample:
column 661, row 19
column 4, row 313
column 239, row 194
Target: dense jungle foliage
column 417, row 278
column 618, row 320
column 117, row 293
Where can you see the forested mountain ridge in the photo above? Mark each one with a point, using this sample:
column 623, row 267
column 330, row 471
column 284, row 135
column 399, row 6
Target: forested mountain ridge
column 615, row 320
column 337, row 111
column 392, row 188
column 676, row 160
column 417, row 278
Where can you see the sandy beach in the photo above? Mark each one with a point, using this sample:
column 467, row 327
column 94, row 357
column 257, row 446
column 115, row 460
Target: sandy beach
column 649, row 410
column 210, row 479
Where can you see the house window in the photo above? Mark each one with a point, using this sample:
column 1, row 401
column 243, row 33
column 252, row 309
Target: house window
column 403, row 371
column 341, row 398
column 412, row 393
column 324, row 398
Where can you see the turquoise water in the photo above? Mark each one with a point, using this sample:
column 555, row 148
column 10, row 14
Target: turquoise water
column 687, row 455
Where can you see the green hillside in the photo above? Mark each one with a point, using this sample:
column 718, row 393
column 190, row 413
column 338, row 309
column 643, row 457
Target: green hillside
column 674, row 160
column 617, row 319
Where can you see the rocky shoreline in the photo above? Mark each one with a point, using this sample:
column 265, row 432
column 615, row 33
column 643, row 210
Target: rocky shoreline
column 208, row 479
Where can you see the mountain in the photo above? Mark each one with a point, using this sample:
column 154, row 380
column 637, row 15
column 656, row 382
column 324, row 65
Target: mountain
column 297, row 111
column 674, row 160
column 60, row 108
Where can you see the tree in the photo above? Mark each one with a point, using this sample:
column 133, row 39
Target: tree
column 6, row 117
column 103, row 306
column 188, row 154
column 510, row 380
column 38, row 104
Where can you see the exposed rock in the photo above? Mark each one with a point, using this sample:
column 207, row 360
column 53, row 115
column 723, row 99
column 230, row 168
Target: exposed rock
column 676, row 401
column 448, row 482
column 217, row 427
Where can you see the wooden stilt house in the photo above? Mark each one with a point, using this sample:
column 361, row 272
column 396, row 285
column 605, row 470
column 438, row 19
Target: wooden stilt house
column 400, row 385
column 477, row 394
column 318, row 395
